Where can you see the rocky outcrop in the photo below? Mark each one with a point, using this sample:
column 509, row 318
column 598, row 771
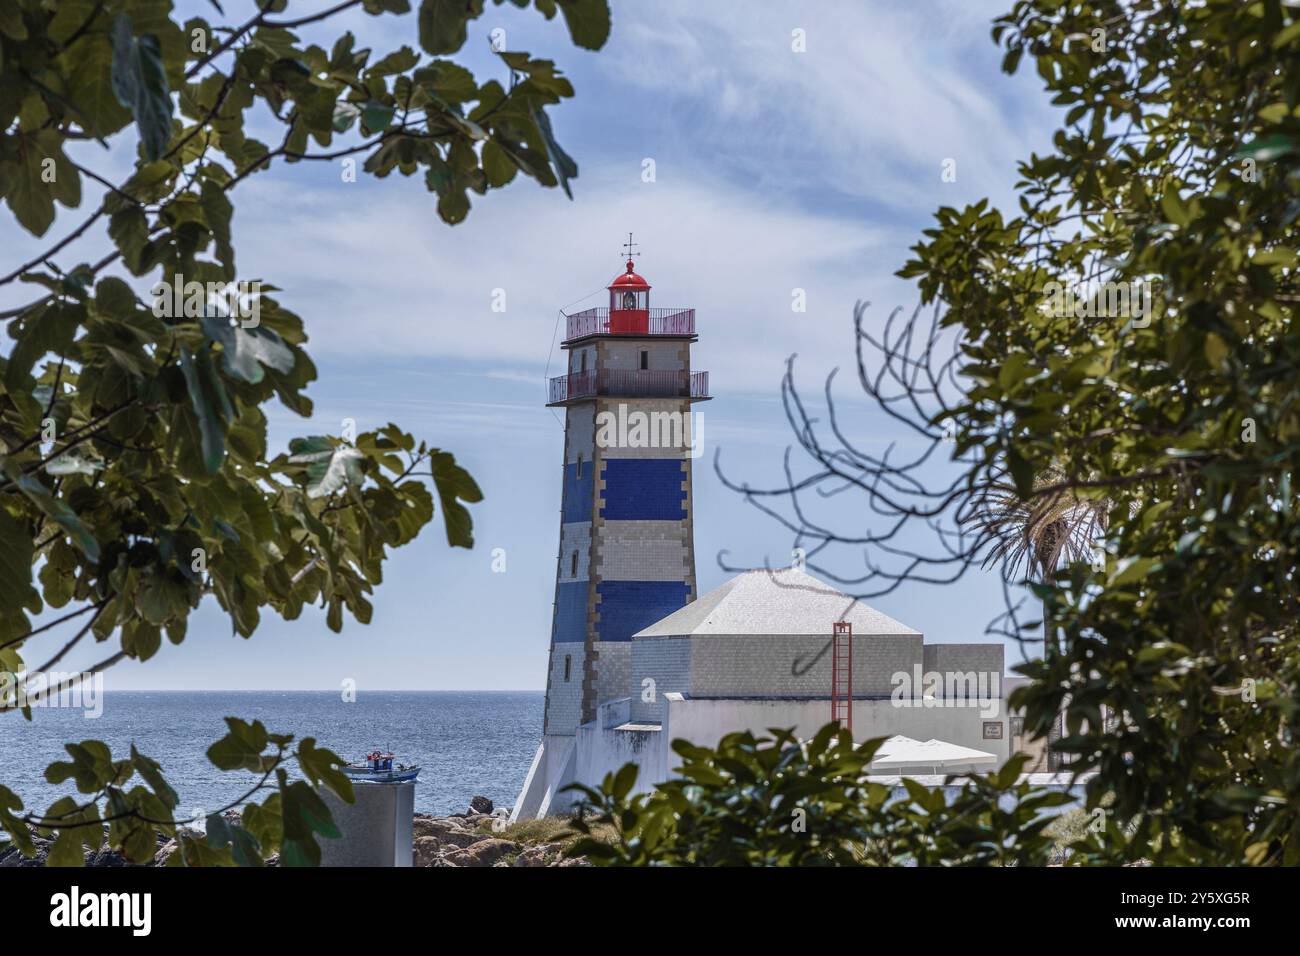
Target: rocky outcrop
column 473, row 839
column 446, row 831
column 10, row 856
column 482, row 853
column 542, row 854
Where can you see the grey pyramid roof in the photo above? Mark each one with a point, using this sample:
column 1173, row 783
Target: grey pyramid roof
column 775, row 601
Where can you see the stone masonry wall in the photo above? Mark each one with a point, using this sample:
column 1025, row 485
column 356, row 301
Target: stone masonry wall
column 564, row 698
column 981, row 659
column 665, row 355
column 667, row 662
column 795, row 666
column 644, row 551
column 612, row 668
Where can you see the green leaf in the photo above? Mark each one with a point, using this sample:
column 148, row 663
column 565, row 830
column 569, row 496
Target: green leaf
column 11, row 22
column 16, row 552
column 377, row 117
column 1174, row 208
column 453, row 205
column 454, row 485
column 114, row 297
column 444, row 24
column 244, row 351
column 91, row 767
column 398, row 61
column 140, row 84
column 1131, row 569
column 56, row 510
column 72, row 463
column 1022, row 473
column 623, row 781
column 141, row 638
column 1216, row 350
column 330, row 465
column 564, row 166
column 1267, row 148
column 207, row 396
column 345, row 114
column 241, row 748
column 217, row 211
column 50, row 328
column 222, row 834
column 304, row 815
column 265, row 823
column 151, row 772
column 90, row 84
column 1288, row 35
column 451, row 83
column 66, row 849
column 34, row 172
column 1274, row 112
column 322, row 768
column 28, row 195
column 588, row 21
column 497, row 165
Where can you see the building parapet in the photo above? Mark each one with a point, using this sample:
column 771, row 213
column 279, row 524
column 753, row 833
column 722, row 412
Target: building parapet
column 604, row 321
column 628, row 383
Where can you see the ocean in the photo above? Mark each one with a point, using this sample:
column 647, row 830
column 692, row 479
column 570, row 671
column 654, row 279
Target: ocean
column 467, row 742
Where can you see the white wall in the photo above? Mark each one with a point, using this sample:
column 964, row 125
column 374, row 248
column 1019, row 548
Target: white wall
column 601, row 747
column 552, row 769
column 705, row 722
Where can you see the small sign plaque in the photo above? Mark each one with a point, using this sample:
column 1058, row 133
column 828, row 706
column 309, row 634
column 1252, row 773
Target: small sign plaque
column 992, row 730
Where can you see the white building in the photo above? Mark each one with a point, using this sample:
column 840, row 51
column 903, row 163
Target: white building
column 756, row 653
column 639, row 658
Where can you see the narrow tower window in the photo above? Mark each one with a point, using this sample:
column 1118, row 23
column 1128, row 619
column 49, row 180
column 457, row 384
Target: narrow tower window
column 573, row 565
column 579, row 464
column 645, row 359
column 568, row 666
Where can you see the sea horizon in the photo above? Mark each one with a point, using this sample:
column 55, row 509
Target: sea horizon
column 335, row 690
column 468, row 743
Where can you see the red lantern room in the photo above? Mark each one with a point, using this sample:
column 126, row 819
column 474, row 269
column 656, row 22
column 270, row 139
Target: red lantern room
column 612, row 350
column 629, row 301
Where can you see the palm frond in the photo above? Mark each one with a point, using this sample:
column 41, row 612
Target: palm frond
column 1034, row 536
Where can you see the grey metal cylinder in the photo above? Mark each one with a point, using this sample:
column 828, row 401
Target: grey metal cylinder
column 376, row 828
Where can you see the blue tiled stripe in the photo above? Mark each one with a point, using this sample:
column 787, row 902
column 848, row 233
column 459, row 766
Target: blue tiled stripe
column 578, row 492
column 570, row 612
column 643, row 489
column 628, row 606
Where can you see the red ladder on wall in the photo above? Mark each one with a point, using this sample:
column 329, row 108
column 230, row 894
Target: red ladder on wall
column 842, row 675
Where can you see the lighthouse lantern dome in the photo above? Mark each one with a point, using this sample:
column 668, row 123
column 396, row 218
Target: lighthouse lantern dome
column 629, row 291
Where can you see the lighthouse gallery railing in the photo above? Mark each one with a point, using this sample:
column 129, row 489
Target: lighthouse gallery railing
column 641, row 383
column 631, row 322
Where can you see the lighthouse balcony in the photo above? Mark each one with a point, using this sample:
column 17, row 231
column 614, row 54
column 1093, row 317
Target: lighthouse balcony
column 629, row 383
column 605, row 321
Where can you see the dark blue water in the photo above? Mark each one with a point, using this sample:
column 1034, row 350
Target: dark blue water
column 468, row 742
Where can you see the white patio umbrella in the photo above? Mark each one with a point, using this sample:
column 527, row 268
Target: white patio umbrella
column 932, row 756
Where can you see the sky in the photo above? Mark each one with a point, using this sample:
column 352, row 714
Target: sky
column 775, row 170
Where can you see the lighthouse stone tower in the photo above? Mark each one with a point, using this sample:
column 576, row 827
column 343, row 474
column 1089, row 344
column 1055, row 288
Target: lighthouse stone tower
column 626, row 556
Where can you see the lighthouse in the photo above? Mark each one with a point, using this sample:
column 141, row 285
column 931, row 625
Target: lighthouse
column 638, row 659
column 626, row 555
column 626, row 552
